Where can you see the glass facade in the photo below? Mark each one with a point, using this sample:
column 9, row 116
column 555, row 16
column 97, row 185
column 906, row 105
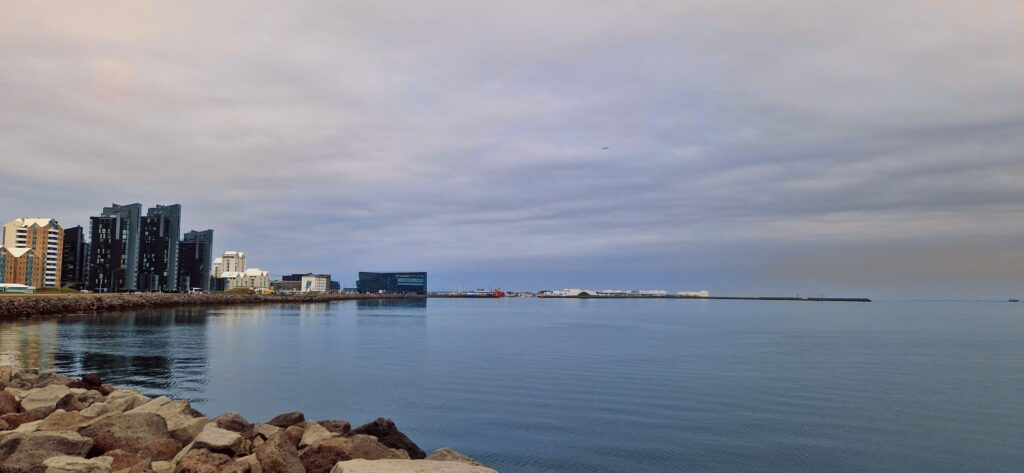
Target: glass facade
column 392, row 283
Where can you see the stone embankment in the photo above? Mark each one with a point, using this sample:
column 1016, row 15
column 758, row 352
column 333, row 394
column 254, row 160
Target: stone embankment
column 31, row 305
column 50, row 423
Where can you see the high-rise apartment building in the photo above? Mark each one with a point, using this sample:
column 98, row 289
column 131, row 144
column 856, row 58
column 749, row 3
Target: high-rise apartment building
column 114, row 256
column 195, row 260
column 74, row 270
column 45, row 237
column 158, row 249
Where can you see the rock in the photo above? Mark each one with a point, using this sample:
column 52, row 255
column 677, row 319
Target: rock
column 95, row 410
column 266, row 430
column 232, row 421
column 321, row 457
column 314, row 433
column 123, row 400
column 188, row 431
column 61, row 420
column 4, row 425
column 9, row 442
column 123, row 459
column 28, row 427
column 8, row 403
column 218, row 440
column 70, row 403
column 36, row 447
column 287, row 419
column 44, row 400
column 68, row 464
column 177, row 414
column 15, row 420
column 201, row 461
column 388, row 434
column 5, row 373
column 294, row 435
column 52, row 379
column 337, row 426
column 248, row 464
column 447, row 454
column 144, row 432
column 162, row 467
column 89, row 381
column 278, row 455
column 407, row 466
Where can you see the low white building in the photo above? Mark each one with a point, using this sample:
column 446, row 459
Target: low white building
column 693, row 294
column 315, row 283
column 252, row 278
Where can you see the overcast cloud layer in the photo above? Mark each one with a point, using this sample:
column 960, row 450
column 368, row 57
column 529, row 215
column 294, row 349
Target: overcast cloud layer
column 867, row 148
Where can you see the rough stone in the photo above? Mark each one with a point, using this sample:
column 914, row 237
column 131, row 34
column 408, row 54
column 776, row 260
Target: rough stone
column 89, row 381
column 294, row 435
column 15, row 420
column 287, row 419
column 123, row 459
column 95, row 410
column 388, row 434
column 314, row 433
column 70, row 402
column 123, row 400
column 337, row 426
column 135, row 432
column 68, row 464
column 447, row 454
column 8, row 403
column 162, row 467
column 177, row 414
column 321, row 457
column 278, row 455
column 6, row 371
column 218, row 440
column 36, row 447
column 232, row 421
column 188, row 431
column 61, row 420
column 201, row 461
column 266, row 430
column 407, row 466
column 44, row 400
column 49, row 379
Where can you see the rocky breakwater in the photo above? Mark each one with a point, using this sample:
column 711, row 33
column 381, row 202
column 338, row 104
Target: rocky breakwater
column 50, row 423
column 13, row 307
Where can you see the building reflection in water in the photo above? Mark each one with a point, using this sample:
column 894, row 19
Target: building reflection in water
column 160, row 351
column 388, row 304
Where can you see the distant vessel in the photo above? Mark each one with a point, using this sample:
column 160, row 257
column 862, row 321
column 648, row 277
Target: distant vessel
column 1014, row 300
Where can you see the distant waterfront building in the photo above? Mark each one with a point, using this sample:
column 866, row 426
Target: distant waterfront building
column 229, row 262
column 307, row 282
column 252, row 278
column 693, row 294
column 114, row 255
column 20, row 266
column 392, row 283
column 74, row 271
column 316, row 283
column 45, row 237
column 195, row 260
column 158, row 249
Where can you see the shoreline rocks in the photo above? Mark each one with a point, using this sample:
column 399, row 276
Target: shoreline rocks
column 21, row 306
column 50, row 423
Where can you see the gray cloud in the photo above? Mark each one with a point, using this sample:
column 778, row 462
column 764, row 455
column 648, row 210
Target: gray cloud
column 466, row 138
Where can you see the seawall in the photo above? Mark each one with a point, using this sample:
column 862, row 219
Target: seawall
column 20, row 306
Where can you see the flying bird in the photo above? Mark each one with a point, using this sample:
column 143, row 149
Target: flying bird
column 605, row 147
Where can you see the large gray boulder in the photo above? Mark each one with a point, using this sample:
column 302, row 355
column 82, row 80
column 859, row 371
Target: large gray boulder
column 407, row 466
column 232, row 421
column 218, row 440
column 8, row 403
column 287, row 419
column 44, row 400
column 202, row 461
column 279, row 456
column 123, row 400
column 388, row 434
column 322, row 456
column 447, row 454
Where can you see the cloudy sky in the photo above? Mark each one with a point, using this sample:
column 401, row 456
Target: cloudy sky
column 762, row 147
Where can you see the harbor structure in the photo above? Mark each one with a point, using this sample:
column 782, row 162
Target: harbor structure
column 45, row 237
column 392, row 283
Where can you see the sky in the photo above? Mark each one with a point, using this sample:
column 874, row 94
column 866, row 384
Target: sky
column 868, row 148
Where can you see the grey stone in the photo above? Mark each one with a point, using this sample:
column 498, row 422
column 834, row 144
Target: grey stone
column 407, row 466
column 68, row 464
column 218, row 440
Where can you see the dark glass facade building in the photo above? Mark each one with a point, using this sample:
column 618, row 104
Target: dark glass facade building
column 195, row 261
column 114, row 256
column 392, row 283
column 75, row 259
column 158, row 249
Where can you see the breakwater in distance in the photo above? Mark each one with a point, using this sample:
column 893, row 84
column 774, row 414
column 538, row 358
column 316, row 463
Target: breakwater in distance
column 55, row 423
column 735, row 298
column 18, row 306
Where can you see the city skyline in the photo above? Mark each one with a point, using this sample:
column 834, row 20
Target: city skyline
column 869, row 150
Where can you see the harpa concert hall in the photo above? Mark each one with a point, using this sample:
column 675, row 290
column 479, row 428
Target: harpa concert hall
column 392, row 283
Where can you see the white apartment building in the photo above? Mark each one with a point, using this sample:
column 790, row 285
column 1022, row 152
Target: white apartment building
column 253, row 278
column 315, row 283
column 230, row 262
column 43, row 235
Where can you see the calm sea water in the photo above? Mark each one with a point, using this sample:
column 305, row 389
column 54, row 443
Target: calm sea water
column 565, row 385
